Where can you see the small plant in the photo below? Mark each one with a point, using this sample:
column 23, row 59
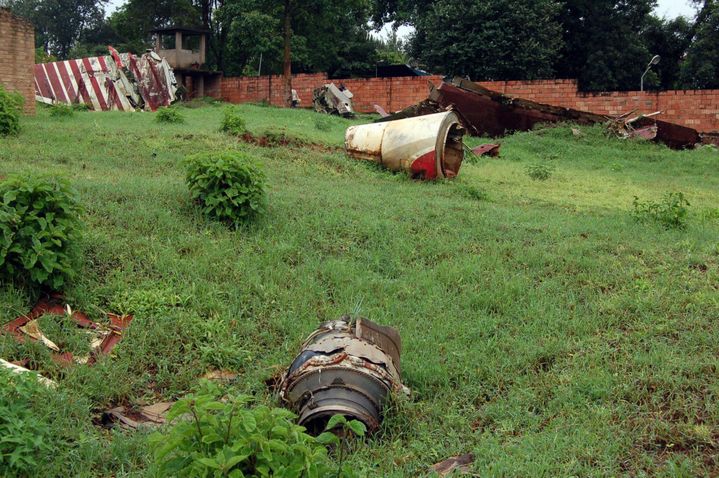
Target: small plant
column 215, row 438
column 671, row 211
column 25, row 437
column 472, row 192
column 232, row 122
column 539, row 171
column 10, row 109
column 229, row 186
column 323, row 123
column 169, row 115
column 338, row 426
column 39, row 227
column 81, row 107
column 61, row 110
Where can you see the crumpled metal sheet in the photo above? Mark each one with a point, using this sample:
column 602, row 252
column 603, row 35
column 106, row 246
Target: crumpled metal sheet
column 343, row 368
column 118, row 81
column 333, row 100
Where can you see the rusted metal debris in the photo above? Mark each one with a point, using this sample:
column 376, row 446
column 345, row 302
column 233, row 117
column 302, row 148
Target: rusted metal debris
column 134, row 418
column 459, row 463
column 346, row 368
column 426, row 147
column 331, row 99
column 104, row 338
column 118, row 81
column 489, row 149
column 486, row 112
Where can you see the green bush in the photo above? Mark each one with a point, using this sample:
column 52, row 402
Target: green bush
column 323, row 123
column 539, row 172
column 169, row 115
column 232, row 122
column 82, row 107
column 39, row 228
column 10, row 110
column 671, row 211
column 213, row 438
column 24, row 437
column 61, row 110
column 228, row 186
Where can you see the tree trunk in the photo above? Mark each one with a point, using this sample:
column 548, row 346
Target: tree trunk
column 287, row 61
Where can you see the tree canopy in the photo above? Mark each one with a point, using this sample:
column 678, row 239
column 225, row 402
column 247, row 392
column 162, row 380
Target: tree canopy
column 605, row 44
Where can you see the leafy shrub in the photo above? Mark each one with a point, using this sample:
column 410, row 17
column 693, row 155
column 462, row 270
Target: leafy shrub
column 10, row 109
column 213, row 438
column 39, row 226
column 25, row 436
column 232, row 122
column 671, row 211
column 61, row 110
column 82, row 107
column 323, row 123
column 346, row 429
column 169, row 115
column 539, row 171
column 472, row 192
column 228, row 186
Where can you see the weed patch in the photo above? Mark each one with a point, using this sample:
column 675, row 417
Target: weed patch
column 10, row 109
column 539, row 171
column 232, row 122
column 671, row 211
column 169, row 116
column 61, row 110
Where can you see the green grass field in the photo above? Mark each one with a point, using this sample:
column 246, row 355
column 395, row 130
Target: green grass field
column 544, row 329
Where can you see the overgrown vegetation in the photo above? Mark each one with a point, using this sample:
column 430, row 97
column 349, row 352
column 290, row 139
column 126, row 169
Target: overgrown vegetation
column 543, row 330
column 61, row 110
column 228, row 186
column 10, row 110
column 671, row 211
column 232, row 122
column 169, row 115
column 40, row 226
column 539, row 171
column 215, row 438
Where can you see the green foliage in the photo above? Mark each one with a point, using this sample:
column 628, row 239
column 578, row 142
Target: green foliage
column 24, row 437
column 213, row 437
column 40, row 226
column 539, row 171
column 229, row 186
column 700, row 68
column 61, row 110
column 232, row 122
column 338, row 426
column 514, row 39
column 671, row 211
column 169, row 115
column 10, row 110
column 82, row 107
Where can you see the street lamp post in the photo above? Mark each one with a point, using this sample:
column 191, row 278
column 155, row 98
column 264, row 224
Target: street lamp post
column 654, row 61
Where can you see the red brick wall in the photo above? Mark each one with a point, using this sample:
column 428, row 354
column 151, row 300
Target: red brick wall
column 698, row 109
column 17, row 57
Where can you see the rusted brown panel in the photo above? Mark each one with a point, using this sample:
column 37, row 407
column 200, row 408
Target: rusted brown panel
column 673, row 135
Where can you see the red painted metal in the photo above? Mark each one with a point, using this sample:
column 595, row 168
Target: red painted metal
column 94, row 81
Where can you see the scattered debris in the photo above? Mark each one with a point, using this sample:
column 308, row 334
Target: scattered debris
column 576, row 132
column 220, row 375
column 460, row 463
column 489, row 149
column 333, row 100
column 344, row 368
column 295, row 99
column 149, row 415
column 118, row 81
column 486, row 112
column 103, row 338
column 380, row 111
column 426, row 147
column 19, row 369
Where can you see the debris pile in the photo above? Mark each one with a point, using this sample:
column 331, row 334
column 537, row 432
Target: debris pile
column 332, row 100
column 118, row 81
column 102, row 338
column 486, row 112
column 426, row 147
column 343, row 368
